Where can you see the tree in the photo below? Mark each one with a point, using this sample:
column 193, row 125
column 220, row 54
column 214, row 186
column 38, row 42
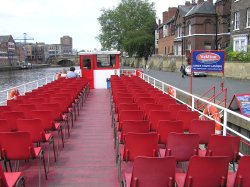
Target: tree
column 129, row 27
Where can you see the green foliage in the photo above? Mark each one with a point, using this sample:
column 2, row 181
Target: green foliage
column 237, row 56
column 129, row 27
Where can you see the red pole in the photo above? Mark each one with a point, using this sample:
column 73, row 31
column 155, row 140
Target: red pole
column 191, row 77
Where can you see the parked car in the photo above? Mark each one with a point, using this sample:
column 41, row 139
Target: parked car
column 198, row 73
column 25, row 65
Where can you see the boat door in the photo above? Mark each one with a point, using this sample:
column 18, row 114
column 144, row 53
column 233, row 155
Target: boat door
column 87, row 65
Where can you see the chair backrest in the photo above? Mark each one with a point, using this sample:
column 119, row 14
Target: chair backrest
column 182, row 146
column 165, row 127
column 153, row 172
column 11, row 117
column 136, row 126
column 158, row 115
column 123, row 100
column 224, row 146
column 148, row 107
column 45, row 116
column 142, row 101
column 140, row 144
column 207, row 171
column 175, row 108
column 25, row 108
column 16, row 145
column 205, row 128
column 4, row 126
column 165, row 102
column 242, row 175
column 127, row 106
column 33, row 126
column 160, row 98
column 5, row 109
column 187, row 117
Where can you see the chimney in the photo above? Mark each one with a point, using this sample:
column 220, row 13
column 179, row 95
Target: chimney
column 200, row 1
column 171, row 12
column 187, row 3
column 211, row 1
column 165, row 16
column 193, row 2
column 159, row 22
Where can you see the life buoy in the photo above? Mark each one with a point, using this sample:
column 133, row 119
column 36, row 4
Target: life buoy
column 214, row 113
column 13, row 94
column 172, row 91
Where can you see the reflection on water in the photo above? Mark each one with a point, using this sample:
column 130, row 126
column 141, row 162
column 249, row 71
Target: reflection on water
column 10, row 79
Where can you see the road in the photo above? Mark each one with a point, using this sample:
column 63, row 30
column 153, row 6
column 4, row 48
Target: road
column 202, row 84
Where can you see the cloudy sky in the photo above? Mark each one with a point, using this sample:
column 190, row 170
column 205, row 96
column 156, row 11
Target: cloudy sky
column 48, row 20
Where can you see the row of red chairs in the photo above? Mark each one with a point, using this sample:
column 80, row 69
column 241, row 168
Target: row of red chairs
column 201, row 171
column 31, row 119
column 178, row 145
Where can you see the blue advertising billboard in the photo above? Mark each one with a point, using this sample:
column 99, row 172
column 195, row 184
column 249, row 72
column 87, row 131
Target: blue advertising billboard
column 210, row 61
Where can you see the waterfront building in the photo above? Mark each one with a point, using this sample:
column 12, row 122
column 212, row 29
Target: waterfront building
column 8, row 55
column 166, row 32
column 240, row 25
column 66, row 45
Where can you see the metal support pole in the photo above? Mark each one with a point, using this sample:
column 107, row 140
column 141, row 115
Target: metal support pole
column 224, row 123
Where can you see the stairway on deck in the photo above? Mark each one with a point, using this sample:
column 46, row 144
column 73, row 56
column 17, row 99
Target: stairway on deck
column 88, row 159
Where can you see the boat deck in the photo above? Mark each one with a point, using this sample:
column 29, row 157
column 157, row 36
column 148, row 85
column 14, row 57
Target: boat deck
column 88, row 158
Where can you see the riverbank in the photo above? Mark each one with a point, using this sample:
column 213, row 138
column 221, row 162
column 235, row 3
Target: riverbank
column 11, row 68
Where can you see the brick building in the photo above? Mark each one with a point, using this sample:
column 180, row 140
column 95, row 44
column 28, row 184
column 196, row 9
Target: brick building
column 223, row 12
column 8, row 55
column 166, row 32
column 199, row 27
column 240, row 24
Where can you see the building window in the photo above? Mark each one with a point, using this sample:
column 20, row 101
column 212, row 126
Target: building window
column 240, row 43
column 189, row 29
column 236, row 20
column 179, row 31
column 248, row 17
column 165, row 30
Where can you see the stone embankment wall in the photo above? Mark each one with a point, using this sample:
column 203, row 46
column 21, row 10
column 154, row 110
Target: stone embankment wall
column 173, row 63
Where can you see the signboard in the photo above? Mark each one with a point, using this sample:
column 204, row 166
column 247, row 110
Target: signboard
column 242, row 102
column 210, row 61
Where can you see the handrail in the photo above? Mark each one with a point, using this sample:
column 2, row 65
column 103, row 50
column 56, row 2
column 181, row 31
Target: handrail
column 23, row 88
column 206, row 93
column 225, row 111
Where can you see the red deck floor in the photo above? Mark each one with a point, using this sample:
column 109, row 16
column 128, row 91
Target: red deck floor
column 88, row 158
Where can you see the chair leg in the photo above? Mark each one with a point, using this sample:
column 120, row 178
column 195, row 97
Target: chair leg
column 20, row 182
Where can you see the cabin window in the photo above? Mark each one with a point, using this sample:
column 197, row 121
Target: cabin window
column 87, row 63
column 105, row 61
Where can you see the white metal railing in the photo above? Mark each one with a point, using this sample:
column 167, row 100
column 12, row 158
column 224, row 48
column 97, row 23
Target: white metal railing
column 224, row 111
column 23, row 88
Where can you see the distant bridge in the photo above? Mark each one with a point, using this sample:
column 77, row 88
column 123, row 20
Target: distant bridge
column 63, row 60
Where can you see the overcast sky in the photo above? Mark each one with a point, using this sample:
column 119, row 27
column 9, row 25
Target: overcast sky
column 48, row 20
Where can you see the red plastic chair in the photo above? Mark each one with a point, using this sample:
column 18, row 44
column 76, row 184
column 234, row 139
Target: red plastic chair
column 4, row 126
column 158, row 115
column 187, row 117
column 11, row 117
column 182, row 146
column 241, row 177
column 165, row 127
column 37, row 133
column 10, row 179
column 175, row 108
column 148, row 107
column 142, row 101
column 205, row 128
column 223, row 146
column 25, row 108
column 205, row 172
column 18, row 146
column 137, row 144
column 151, row 172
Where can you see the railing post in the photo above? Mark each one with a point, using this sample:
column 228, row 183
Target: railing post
column 7, row 95
column 193, row 103
column 148, row 79
column 225, row 123
column 25, row 88
column 154, row 83
column 37, row 84
column 46, row 80
column 162, row 87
